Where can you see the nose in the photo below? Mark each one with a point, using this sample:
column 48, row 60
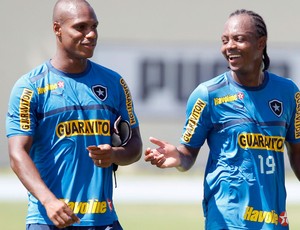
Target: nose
column 230, row 44
column 92, row 34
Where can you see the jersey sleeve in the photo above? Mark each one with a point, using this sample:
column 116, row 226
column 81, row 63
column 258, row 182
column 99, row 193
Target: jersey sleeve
column 21, row 118
column 198, row 122
column 293, row 132
column 126, row 105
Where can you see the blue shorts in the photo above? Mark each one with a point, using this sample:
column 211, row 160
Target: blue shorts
column 115, row 226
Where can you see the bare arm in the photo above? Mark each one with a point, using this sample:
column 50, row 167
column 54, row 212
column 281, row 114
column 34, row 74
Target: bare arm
column 25, row 169
column 131, row 152
column 168, row 156
column 188, row 157
column 294, row 156
column 105, row 155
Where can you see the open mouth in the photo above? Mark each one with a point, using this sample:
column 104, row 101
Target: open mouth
column 233, row 57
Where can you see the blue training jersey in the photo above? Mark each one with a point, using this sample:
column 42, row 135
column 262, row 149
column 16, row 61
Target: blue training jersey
column 65, row 113
column 245, row 129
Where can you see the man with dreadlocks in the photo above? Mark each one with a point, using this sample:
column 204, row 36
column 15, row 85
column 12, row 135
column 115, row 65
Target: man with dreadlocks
column 246, row 115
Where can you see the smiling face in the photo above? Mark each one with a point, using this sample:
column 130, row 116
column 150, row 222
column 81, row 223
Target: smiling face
column 76, row 30
column 241, row 46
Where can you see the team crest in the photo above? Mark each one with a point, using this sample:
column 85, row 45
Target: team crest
column 276, row 107
column 100, row 92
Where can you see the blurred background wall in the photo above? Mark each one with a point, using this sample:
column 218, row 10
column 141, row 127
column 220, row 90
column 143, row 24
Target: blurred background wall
column 162, row 48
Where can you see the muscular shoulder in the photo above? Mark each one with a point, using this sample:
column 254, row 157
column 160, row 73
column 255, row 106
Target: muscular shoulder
column 277, row 80
column 100, row 69
column 205, row 89
column 33, row 75
column 281, row 85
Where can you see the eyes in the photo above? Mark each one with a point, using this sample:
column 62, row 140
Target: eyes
column 85, row 27
column 237, row 39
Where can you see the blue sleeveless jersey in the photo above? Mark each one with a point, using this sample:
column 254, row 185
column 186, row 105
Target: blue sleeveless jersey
column 65, row 113
column 245, row 129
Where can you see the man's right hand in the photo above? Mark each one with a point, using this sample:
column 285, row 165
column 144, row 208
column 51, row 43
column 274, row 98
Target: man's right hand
column 60, row 213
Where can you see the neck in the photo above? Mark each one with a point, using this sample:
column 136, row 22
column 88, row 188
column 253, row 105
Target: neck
column 250, row 80
column 69, row 65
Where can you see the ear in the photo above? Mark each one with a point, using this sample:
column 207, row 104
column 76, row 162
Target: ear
column 262, row 42
column 57, row 29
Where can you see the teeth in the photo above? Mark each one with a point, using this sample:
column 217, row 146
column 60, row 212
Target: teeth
column 233, row 56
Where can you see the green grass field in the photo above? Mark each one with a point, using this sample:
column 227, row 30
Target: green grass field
column 139, row 216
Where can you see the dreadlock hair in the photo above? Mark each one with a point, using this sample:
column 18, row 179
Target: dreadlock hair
column 261, row 30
